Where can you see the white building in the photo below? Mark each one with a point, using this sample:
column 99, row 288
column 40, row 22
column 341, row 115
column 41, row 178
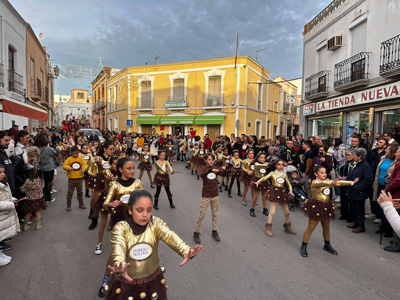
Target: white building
column 73, row 109
column 61, row 98
column 351, row 68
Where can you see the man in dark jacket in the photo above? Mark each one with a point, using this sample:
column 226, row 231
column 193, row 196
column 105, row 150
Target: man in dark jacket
column 359, row 192
column 289, row 155
column 94, row 138
column 306, row 166
column 5, row 139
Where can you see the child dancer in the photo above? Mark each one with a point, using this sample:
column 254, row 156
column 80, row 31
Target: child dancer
column 260, row 171
column 162, row 179
column 117, row 201
column 134, row 277
column 124, row 147
column 247, row 174
column 319, row 208
column 235, row 173
column 219, row 162
column 193, row 159
column 33, row 189
column 60, row 149
column 200, row 159
column 170, row 152
column 277, row 193
column 209, row 195
column 109, row 175
column 87, row 156
column 145, row 164
column 117, row 147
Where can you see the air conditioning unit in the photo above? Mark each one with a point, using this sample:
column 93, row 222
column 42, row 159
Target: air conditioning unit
column 334, row 43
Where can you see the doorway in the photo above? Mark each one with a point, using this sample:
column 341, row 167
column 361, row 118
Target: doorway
column 147, row 129
column 213, row 131
column 177, row 129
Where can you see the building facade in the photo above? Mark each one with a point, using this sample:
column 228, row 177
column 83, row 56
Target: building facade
column 99, row 98
column 215, row 96
column 76, row 106
column 351, row 70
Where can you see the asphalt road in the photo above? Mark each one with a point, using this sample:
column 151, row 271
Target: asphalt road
column 58, row 262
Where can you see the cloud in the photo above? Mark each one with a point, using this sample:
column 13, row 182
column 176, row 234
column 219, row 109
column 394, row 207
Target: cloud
column 128, row 33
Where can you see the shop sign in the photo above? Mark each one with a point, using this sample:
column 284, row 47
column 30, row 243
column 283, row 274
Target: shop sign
column 175, row 103
column 308, row 109
column 385, row 92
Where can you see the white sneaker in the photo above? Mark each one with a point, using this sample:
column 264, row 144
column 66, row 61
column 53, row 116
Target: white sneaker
column 5, row 256
column 377, row 221
column 370, row 216
column 53, row 199
column 4, row 260
column 303, row 198
column 99, row 249
column 337, row 200
column 54, row 191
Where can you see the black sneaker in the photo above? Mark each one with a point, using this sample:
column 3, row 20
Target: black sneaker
column 102, row 292
column 5, row 247
column 252, row 213
column 9, row 240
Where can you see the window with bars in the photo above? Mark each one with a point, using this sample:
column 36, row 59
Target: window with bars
column 179, row 90
column 145, row 95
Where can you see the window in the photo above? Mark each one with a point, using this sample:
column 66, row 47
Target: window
column 94, row 96
column 179, row 90
column 276, row 106
column 214, row 91
column 359, row 38
column 41, row 77
column 11, row 59
column 285, row 101
column 116, row 97
column 81, row 95
column 102, row 90
column 32, row 69
column 145, row 94
column 358, row 70
column 259, row 96
column 322, row 84
column 116, row 123
column 109, row 99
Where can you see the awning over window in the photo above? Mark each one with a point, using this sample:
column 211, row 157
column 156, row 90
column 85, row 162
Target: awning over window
column 205, row 120
column 23, row 111
column 172, row 120
column 148, row 120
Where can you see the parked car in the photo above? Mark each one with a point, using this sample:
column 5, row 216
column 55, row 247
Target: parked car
column 89, row 131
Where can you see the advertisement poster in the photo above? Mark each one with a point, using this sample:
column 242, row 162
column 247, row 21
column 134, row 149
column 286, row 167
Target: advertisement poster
column 352, row 126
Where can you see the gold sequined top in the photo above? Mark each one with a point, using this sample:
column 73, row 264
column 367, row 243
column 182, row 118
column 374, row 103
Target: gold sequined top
column 117, row 190
column 124, row 147
column 100, row 166
column 60, row 148
column 236, row 163
column 142, row 156
column 162, row 167
column 107, row 181
column 320, row 189
column 246, row 166
column 219, row 157
column 260, row 170
column 86, row 156
column 278, row 179
column 141, row 251
column 199, row 155
column 226, row 161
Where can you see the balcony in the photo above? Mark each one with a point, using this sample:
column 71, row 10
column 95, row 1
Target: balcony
column 1, row 75
column 45, row 96
column 390, row 58
column 145, row 103
column 15, row 82
column 352, row 72
column 213, row 100
column 36, row 89
column 176, row 102
column 100, row 103
column 317, row 86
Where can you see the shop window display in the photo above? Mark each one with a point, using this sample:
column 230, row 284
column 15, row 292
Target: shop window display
column 329, row 128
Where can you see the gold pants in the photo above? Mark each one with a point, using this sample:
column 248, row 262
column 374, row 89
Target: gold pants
column 203, row 208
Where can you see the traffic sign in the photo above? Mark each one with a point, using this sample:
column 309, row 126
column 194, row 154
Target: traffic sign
column 129, row 123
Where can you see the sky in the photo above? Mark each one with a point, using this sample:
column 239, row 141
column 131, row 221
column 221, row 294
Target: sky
column 131, row 33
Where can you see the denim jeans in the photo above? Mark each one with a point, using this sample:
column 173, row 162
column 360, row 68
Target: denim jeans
column 297, row 192
column 359, row 212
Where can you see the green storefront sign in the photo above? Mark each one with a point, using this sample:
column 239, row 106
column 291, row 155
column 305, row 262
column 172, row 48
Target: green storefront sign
column 176, row 103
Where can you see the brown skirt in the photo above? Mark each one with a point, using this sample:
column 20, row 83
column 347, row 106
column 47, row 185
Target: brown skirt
column 318, row 210
column 145, row 288
column 118, row 214
column 235, row 173
column 30, row 206
column 245, row 178
column 169, row 153
column 277, row 194
column 117, row 153
column 200, row 161
column 96, row 184
column 145, row 166
column 193, row 160
column 162, row 180
column 99, row 203
column 263, row 186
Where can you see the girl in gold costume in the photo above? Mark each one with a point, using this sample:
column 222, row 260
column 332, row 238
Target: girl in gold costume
column 235, row 173
column 222, row 158
column 193, row 159
column 260, row 171
column 277, row 193
column 97, row 169
column 117, row 147
column 135, row 260
column 170, row 153
column 87, row 156
column 200, row 161
column 117, row 201
column 162, row 179
column 145, row 164
column 247, row 174
column 319, row 208
column 109, row 175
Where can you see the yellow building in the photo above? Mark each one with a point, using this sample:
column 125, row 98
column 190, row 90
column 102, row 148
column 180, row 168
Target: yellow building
column 215, row 96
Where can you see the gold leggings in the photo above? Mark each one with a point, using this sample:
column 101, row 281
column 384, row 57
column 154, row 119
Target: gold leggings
column 148, row 173
column 312, row 224
column 103, row 224
column 193, row 166
column 272, row 208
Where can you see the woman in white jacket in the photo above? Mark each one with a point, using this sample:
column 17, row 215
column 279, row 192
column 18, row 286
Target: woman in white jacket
column 9, row 225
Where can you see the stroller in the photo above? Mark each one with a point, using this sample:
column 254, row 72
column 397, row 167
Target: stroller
column 298, row 199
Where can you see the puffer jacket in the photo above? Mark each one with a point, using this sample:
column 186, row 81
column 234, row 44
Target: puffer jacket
column 9, row 225
column 377, row 172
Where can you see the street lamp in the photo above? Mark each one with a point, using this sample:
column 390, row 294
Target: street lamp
column 260, row 50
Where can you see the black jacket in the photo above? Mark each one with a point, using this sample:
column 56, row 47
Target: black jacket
column 7, row 163
column 374, row 159
column 290, row 155
column 20, row 174
column 361, row 189
column 259, row 148
column 94, row 138
column 55, row 140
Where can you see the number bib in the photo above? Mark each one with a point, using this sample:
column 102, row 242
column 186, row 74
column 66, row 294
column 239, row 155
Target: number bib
column 201, row 152
column 125, row 199
column 76, row 166
column 86, row 157
column 140, row 251
column 326, row 191
column 146, row 157
column 263, row 171
column 252, row 167
column 106, row 166
column 280, row 180
column 211, row 176
column 164, row 168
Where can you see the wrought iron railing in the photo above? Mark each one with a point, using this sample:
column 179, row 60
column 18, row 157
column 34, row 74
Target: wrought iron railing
column 45, row 94
column 390, row 54
column 317, row 83
column 15, row 82
column 100, row 103
column 36, row 88
column 213, row 100
column 352, row 69
column 1, row 75
column 325, row 13
column 145, row 102
column 177, row 98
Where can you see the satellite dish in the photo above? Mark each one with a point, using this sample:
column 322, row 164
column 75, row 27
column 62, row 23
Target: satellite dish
column 41, row 36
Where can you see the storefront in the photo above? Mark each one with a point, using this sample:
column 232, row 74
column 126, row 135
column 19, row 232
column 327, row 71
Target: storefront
column 374, row 110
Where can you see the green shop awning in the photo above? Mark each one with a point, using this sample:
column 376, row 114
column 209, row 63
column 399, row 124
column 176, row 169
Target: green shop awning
column 177, row 120
column 205, row 120
column 148, row 120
